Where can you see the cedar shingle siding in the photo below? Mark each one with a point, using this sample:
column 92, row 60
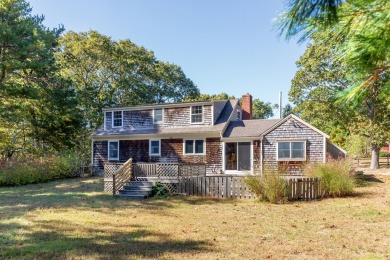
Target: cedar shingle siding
column 292, row 130
column 171, row 152
column 173, row 117
column 334, row 152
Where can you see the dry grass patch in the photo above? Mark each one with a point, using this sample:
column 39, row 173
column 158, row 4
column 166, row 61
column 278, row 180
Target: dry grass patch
column 72, row 219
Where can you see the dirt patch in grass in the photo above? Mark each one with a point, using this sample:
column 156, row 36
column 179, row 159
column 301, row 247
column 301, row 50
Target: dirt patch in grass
column 73, row 219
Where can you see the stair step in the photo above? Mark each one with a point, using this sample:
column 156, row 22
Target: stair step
column 140, row 183
column 131, row 196
column 146, row 192
column 137, row 188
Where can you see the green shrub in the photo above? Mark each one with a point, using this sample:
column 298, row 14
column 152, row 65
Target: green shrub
column 28, row 170
column 384, row 154
column 270, row 186
column 337, row 177
column 160, row 190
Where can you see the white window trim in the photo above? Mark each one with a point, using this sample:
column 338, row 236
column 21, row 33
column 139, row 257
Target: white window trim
column 194, row 139
column 162, row 113
column 196, row 123
column 150, row 147
column 104, row 120
column 112, row 119
column 108, row 150
column 290, row 159
column 224, row 159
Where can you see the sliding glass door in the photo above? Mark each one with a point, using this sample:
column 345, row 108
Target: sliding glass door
column 238, row 156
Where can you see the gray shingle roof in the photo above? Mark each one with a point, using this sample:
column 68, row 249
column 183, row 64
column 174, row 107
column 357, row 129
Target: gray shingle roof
column 227, row 111
column 249, row 128
column 222, row 116
column 158, row 131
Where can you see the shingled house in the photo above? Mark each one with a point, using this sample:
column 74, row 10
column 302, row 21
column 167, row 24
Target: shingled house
column 219, row 134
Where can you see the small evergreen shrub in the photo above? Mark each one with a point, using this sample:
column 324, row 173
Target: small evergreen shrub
column 28, row 170
column 337, row 177
column 270, row 186
column 159, row 190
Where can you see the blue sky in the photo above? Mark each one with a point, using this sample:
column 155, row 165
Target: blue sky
column 223, row 46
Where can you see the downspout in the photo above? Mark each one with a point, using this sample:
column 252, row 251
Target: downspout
column 261, row 155
column 92, row 152
column 324, row 150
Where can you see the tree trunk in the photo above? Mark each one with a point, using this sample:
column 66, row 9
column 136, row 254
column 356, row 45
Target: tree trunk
column 374, row 157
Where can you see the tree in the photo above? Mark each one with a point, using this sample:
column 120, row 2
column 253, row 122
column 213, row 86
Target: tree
column 206, row 97
column 109, row 73
column 27, row 69
column 360, row 29
column 261, row 110
column 287, row 110
column 320, row 79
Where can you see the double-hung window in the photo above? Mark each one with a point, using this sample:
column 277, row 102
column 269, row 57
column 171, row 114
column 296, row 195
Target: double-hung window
column 154, row 147
column 117, row 119
column 113, row 150
column 196, row 114
column 194, row 146
column 291, row 151
column 158, row 116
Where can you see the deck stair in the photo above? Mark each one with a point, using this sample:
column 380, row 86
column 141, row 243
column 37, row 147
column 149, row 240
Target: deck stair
column 136, row 189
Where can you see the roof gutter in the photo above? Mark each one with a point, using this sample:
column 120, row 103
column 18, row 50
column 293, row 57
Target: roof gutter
column 163, row 105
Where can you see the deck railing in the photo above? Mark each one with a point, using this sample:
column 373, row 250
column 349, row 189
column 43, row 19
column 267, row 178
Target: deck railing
column 168, row 170
column 122, row 176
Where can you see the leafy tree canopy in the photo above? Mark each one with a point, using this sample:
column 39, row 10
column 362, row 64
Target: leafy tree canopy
column 109, row 73
column 32, row 101
column 261, row 110
column 359, row 30
column 206, row 97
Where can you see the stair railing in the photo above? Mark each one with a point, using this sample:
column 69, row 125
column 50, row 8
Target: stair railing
column 121, row 176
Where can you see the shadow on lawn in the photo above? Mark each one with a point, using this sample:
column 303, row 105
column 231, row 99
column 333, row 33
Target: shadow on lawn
column 81, row 193
column 61, row 238
column 364, row 180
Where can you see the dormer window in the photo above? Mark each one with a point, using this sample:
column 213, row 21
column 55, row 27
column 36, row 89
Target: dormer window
column 158, row 115
column 196, row 114
column 117, row 119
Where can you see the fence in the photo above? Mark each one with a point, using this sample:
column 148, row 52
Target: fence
column 304, row 188
column 234, row 187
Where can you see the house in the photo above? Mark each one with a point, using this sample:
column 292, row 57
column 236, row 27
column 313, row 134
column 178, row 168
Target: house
column 220, row 134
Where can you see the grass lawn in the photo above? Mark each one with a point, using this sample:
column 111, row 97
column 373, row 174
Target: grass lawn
column 74, row 219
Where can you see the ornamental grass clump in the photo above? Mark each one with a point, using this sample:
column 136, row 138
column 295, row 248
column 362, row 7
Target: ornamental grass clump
column 337, row 177
column 270, row 186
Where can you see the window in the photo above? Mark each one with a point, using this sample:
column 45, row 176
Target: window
column 238, row 115
column 113, row 150
column 238, row 156
column 194, row 147
column 292, row 151
column 196, row 114
column 154, row 147
column 117, row 119
column 158, row 116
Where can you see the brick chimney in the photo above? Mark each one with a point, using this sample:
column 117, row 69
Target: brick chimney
column 246, row 106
